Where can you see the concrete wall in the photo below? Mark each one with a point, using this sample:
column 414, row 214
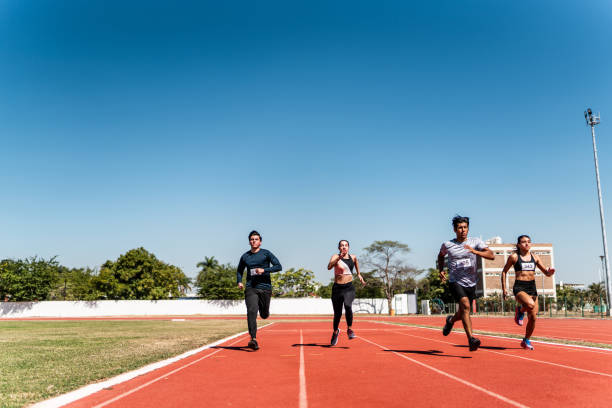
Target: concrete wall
column 178, row 307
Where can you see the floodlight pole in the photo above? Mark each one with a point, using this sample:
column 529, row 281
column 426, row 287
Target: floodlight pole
column 593, row 120
column 602, row 276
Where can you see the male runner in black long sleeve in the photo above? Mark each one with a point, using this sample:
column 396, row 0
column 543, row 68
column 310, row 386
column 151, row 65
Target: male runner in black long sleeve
column 258, row 284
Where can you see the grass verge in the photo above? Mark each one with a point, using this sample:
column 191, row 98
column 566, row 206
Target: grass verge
column 42, row 359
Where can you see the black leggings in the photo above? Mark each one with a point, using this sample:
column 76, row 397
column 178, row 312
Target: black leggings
column 343, row 294
column 257, row 300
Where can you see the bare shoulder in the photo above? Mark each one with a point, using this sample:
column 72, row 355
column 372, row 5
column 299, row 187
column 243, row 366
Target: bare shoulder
column 513, row 257
column 354, row 258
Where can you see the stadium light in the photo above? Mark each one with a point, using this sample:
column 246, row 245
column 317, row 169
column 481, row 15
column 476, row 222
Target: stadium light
column 591, row 121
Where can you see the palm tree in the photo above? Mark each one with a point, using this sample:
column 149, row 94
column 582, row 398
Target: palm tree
column 208, row 263
column 595, row 292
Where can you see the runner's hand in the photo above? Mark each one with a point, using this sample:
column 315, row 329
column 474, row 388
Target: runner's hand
column 469, row 248
column 443, row 276
column 550, row 272
column 259, row 271
column 240, row 286
column 361, row 279
column 505, row 294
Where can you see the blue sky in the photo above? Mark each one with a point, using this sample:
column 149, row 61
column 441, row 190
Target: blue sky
column 181, row 127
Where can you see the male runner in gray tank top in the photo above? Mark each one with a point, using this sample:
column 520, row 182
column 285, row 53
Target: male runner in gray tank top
column 462, row 255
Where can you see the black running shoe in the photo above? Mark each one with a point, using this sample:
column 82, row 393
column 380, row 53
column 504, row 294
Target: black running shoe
column 448, row 326
column 253, row 344
column 351, row 334
column 474, row 344
column 334, row 339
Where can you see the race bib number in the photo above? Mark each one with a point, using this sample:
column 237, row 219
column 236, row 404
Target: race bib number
column 464, row 263
column 253, row 271
column 528, row 266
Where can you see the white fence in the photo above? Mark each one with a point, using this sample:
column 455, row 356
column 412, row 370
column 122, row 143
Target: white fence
column 102, row 308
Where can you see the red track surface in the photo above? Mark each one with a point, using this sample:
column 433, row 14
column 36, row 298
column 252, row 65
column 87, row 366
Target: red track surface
column 387, row 365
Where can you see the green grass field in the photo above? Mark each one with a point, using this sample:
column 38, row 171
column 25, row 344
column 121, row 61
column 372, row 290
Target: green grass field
column 42, row 359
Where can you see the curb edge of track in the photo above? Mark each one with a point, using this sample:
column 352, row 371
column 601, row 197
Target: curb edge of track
column 90, row 389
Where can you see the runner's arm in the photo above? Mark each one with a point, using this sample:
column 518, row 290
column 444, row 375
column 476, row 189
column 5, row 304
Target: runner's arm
column 240, row 270
column 440, row 265
column 276, row 266
column 511, row 261
column 540, row 265
column 485, row 252
column 356, row 262
column 333, row 261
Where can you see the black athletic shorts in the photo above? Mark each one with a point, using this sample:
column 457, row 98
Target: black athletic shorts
column 527, row 286
column 459, row 291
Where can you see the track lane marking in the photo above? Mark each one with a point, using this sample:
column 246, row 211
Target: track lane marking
column 592, row 349
column 125, row 394
column 452, row 377
column 303, row 397
column 161, row 377
column 515, row 356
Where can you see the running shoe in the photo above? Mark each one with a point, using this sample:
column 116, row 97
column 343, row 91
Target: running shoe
column 474, row 344
column 518, row 316
column 448, row 326
column 351, row 334
column 526, row 344
column 334, row 339
column 253, row 344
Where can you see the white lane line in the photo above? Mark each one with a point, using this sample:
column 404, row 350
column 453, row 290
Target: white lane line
column 550, row 343
column 328, row 330
column 90, row 389
column 303, row 397
column 140, row 387
column 515, row 356
column 462, row 381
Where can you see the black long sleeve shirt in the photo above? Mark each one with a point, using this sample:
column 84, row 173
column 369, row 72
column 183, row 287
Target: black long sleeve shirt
column 260, row 259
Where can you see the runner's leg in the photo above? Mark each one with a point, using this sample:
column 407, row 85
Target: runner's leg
column 528, row 305
column 264, row 297
column 464, row 315
column 251, row 299
column 533, row 314
column 349, row 296
column 337, row 302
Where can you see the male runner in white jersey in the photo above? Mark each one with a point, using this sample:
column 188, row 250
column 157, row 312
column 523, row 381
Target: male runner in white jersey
column 462, row 255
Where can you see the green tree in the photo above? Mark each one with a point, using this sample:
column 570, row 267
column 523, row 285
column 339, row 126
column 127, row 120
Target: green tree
column 595, row 292
column 29, row 279
column 431, row 287
column 293, row 283
column 216, row 281
column 76, row 284
column 138, row 274
column 568, row 297
column 373, row 289
column 325, row 290
column 385, row 259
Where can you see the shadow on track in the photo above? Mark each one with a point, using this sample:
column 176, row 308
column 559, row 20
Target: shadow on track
column 234, row 348
column 488, row 347
column 318, row 345
column 436, row 353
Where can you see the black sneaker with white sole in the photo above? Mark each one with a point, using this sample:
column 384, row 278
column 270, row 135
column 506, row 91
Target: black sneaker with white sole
column 334, row 339
column 253, row 344
column 448, row 326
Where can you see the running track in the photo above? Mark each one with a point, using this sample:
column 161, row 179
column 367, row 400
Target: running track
column 577, row 330
column 386, row 366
